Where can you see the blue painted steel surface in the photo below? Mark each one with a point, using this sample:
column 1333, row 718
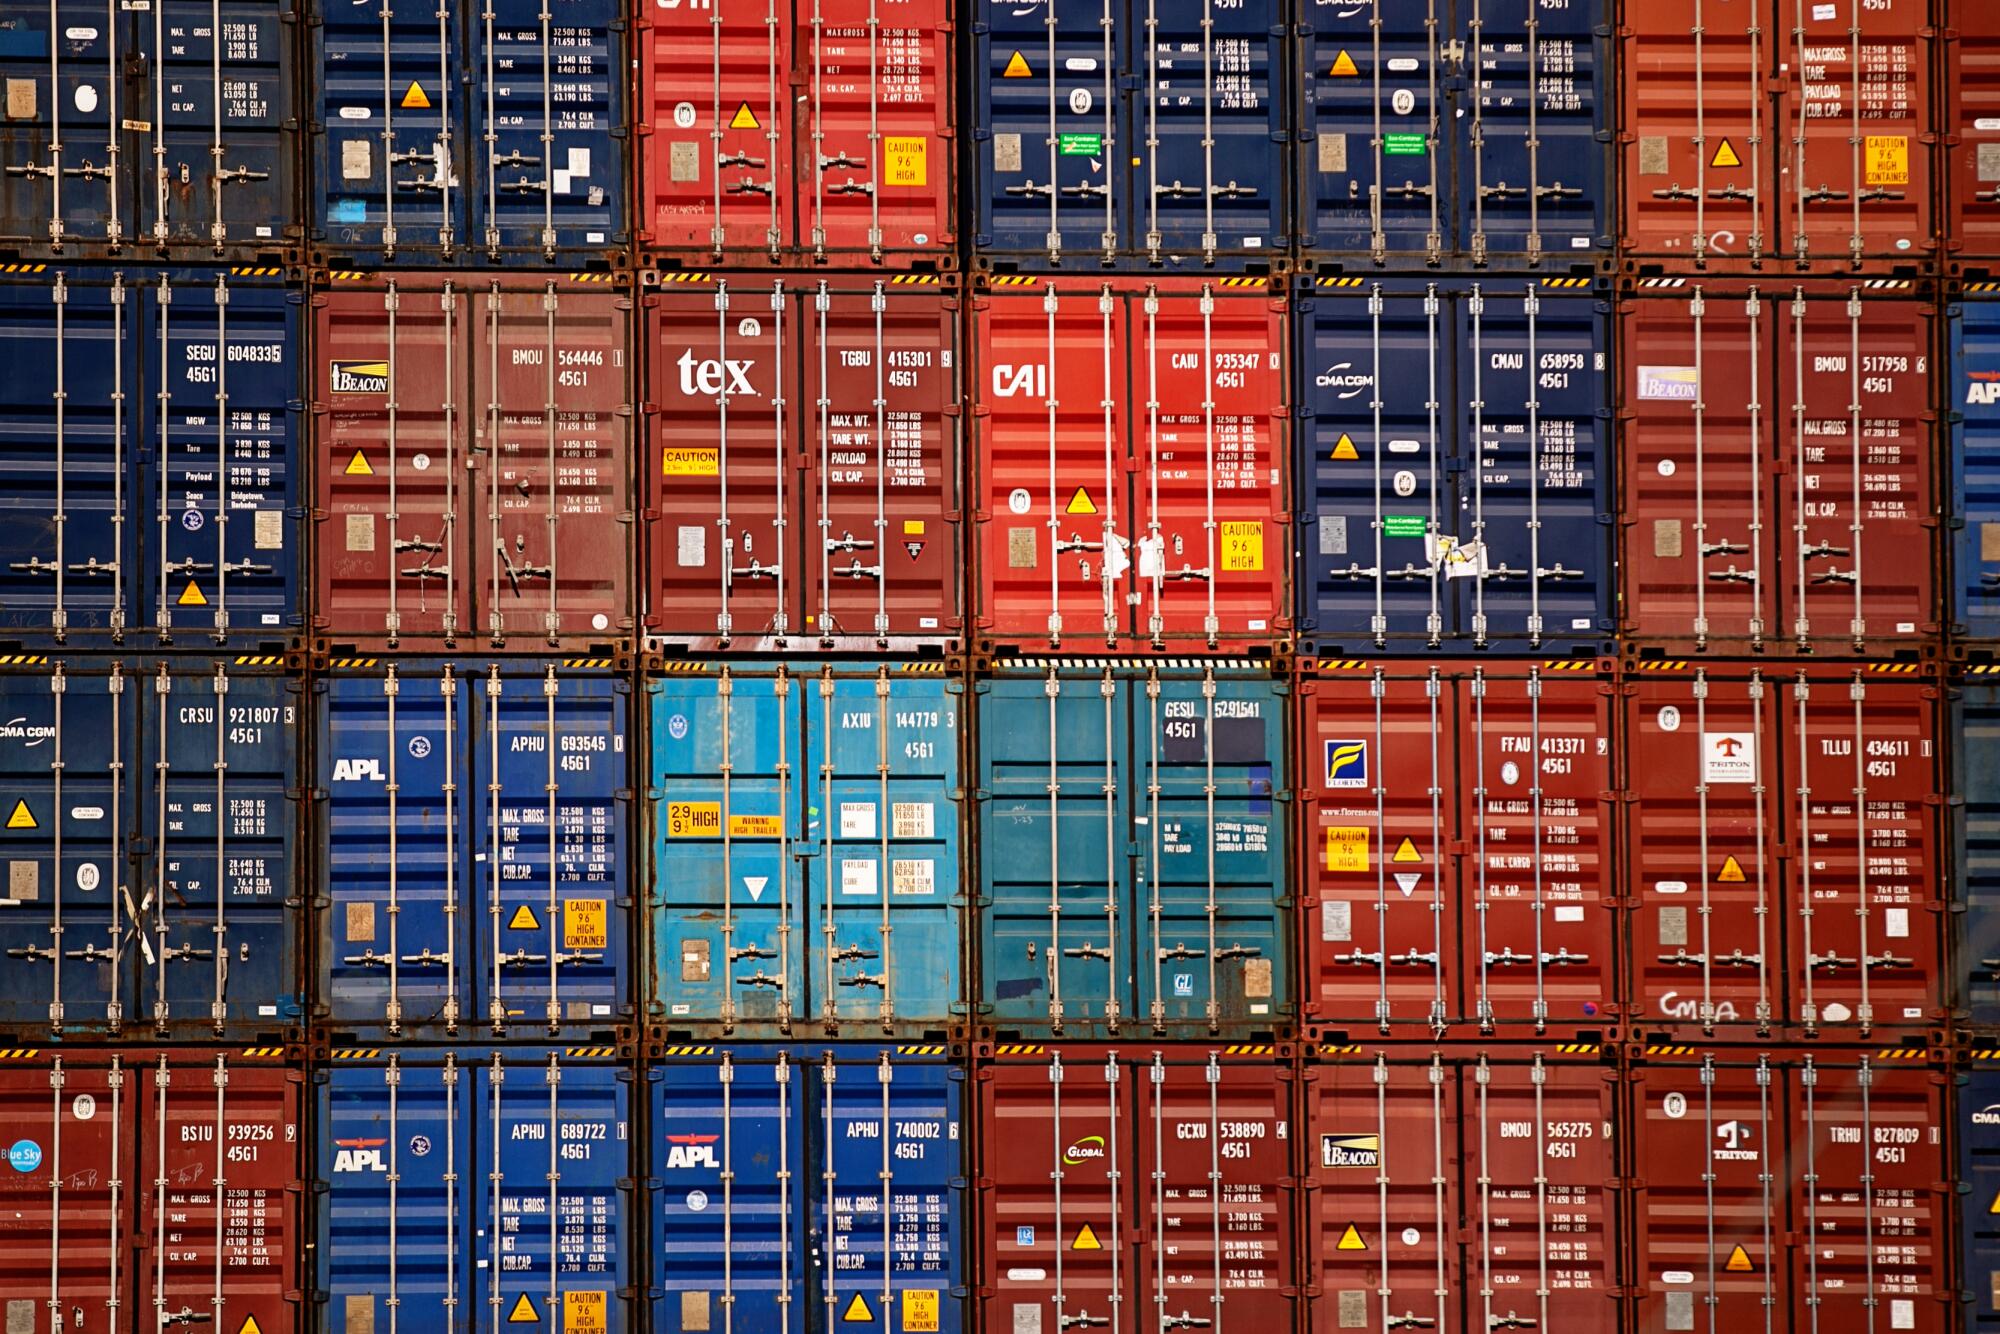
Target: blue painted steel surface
column 1094, row 798
column 439, row 834
column 1975, row 780
column 768, row 1169
column 806, row 848
column 1972, row 395
column 452, row 1176
column 1482, row 521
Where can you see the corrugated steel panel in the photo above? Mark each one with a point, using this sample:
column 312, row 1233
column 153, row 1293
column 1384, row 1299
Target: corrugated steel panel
column 1972, row 400
column 1975, row 782
column 1976, row 1101
column 1969, row 127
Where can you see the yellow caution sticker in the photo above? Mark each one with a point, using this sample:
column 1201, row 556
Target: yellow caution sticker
column 920, row 1311
column 1406, row 852
column 1243, row 546
column 1347, row 848
column 1350, row 1240
column 1886, row 159
column 1739, row 1262
column 694, row 819
column 416, row 99
column 1725, row 156
column 358, row 466
column 857, row 1312
column 524, row 1312
column 1081, row 503
column 191, row 596
column 1343, row 66
column 249, row 1326
column 583, row 924
column 22, row 817
column 586, row 1312
column 1731, row 872
column 1994, row 1208
column 1086, row 1240
column 905, row 160
column 1343, row 448
column 913, row 528
column 1017, row 67
column 756, row 826
column 744, row 119
column 524, row 919
column 688, row 463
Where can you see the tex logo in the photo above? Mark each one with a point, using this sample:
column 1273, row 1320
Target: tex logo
column 358, row 377
column 1347, row 764
column 691, row 1150
column 1350, row 1150
column 359, row 1155
column 1982, row 388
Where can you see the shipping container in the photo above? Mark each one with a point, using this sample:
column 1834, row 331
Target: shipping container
column 1158, row 1181
column 123, row 138
column 797, row 1187
column 1779, row 475
column 1461, row 1190
column 1792, row 1190
column 1112, row 133
column 1466, row 133
column 477, row 1187
column 1453, row 464
column 1775, row 133
column 1975, row 786
column 805, row 839
column 455, row 134
column 149, row 483
column 473, row 453
column 1970, row 133
column 798, row 133
column 1972, row 406
column 1976, row 1099
column 1456, row 865
column 150, row 845
column 152, row 1188
column 1785, row 860
column 1132, row 464
column 802, row 464
column 1133, row 864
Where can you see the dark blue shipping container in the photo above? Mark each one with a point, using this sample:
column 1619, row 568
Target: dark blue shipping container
column 1466, row 504
column 473, row 862
column 1115, row 133
column 1975, row 779
column 1133, row 870
column 447, row 135
column 1476, row 132
column 798, row 1187
column 1978, row 1133
column 141, row 130
column 149, row 837
column 474, row 1188
column 1972, row 398
column 149, row 458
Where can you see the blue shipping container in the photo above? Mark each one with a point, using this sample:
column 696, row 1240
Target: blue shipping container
column 130, row 500
column 149, row 839
column 805, row 1187
column 448, row 136
column 1118, row 134
column 1978, row 1131
column 1133, row 867
column 473, row 844
column 1454, row 452
column 1972, row 400
column 1975, row 759
column 1480, row 136
column 473, row 1188
column 806, row 848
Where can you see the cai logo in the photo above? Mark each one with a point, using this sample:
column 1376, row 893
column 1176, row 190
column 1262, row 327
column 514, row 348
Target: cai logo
column 1347, row 764
column 358, row 377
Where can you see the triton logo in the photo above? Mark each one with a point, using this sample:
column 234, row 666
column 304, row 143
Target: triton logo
column 1084, row 1150
column 711, row 377
column 359, row 377
column 691, row 1150
column 359, row 1155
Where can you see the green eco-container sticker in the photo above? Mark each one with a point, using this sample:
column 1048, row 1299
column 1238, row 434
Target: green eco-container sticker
column 1403, row 145
column 1080, row 145
column 1404, row 525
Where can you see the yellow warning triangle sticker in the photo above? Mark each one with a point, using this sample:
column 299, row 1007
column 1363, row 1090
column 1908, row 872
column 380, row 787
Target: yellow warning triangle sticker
column 1731, row 872
column 524, row 1312
column 191, row 596
column 857, row 1310
column 1343, row 448
column 1739, row 1262
column 415, row 99
column 1086, row 1240
column 1017, row 68
column 1081, row 503
column 358, row 466
column 1343, row 66
column 1994, row 1208
column 523, row 920
column 1406, row 851
column 22, row 818
column 744, row 119
column 1725, row 156
column 249, row 1326
column 1350, row 1240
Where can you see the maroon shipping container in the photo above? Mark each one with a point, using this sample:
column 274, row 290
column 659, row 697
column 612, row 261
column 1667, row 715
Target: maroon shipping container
column 1461, row 1191
column 109, row 1216
column 1777, row 132
column 1784, row 855
column 1131, row 456
column 1804, row 1190
column 1457, row 856
column 473, row 462
column 1780, row 467
column 802, row 464
column 1972, row 135
column 1159, row 1181
column 820, row 137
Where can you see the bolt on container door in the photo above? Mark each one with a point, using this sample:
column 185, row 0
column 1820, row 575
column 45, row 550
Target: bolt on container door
column 822, row 1180
column 819, row 425
column 1972, row 398
column 1780, row 474
column 1160, row 1181
column 1479, row 134
column 1971, row 171
column 474, row 1179
column 806, row 855
column 1132, row 463
column 1130, row 137
column 1133, row 872
column 1977, row 1101
column 1463, row 1192
column 1463, row 506
column 1975, row 727
column 1458, row 848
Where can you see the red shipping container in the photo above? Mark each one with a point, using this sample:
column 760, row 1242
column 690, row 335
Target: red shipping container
column 109, row 1217
column 1158, row 1180
column 1131, row 454
column 473, row 462
column 1457, row 855
column 822, row 136
column 1457, row 1190
column 1972, row 135
column 1784, row 853
column 1779, row 467
column 1808, row 1189
column 1777, row 132
column 802, row 464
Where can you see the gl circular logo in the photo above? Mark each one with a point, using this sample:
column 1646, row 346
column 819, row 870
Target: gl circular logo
column 677, row 727
column 24, row 1156
column 420, row 746
column 192, row 520
column 420, row 1145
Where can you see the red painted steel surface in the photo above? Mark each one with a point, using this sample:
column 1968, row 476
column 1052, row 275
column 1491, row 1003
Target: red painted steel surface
column 1971, row 129
column 1131, row 461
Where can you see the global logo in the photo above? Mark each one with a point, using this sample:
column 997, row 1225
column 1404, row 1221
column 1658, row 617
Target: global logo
column 1083, row 1150
column 1347, row 764
column 358, row 377
column 24, row 1156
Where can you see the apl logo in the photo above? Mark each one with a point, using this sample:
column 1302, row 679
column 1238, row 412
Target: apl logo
column 359, row 1155
column 1012, row 381
column 1982, row 388
column 712, row 377
column 354, row 771
column 1347, row 764
column 1085, row 1149
column 1342, row 375
column 691, row 1150
column 359, row 377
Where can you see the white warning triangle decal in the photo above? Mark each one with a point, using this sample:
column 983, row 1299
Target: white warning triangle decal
column 1407, row 881
column 755, row 884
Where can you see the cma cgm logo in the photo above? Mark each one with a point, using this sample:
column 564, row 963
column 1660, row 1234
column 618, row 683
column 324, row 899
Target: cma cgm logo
column 691, row 1150
column 1084, row 1150
column 727, row 376
column 1013, row 381
column 1983, row 387
column 359, row 377
column 359, row 1155
column 1347, row 764
column 1989, row 1115
column 1342, row 375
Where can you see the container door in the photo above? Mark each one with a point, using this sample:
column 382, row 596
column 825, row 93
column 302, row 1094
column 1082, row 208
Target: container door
column 68, row 486
column 390, row 166
column 390, row 402
column 222, row 431
column 392, row 754
column 549, row 759
column 1979, row 1168
column 1972, row 145
column 1976, row 725
column 729, row 898
column 66, row 1244
column 69, row 767
column 1973, row 393
column 66, row 68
